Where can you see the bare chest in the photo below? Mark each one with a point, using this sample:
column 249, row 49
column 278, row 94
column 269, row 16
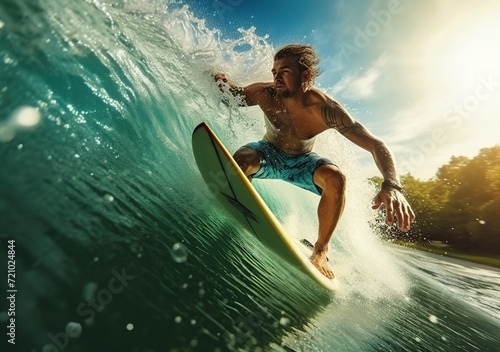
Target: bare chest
column 299, row 124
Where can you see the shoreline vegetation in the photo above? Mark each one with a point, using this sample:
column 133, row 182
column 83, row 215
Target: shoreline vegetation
column 457, row 211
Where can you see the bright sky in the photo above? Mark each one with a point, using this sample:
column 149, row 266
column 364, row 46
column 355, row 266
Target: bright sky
column 424, row 75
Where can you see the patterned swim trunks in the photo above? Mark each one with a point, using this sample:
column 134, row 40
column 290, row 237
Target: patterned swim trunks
column 296, row 169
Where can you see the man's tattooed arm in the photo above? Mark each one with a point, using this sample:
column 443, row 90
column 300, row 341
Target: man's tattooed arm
column 336, row 117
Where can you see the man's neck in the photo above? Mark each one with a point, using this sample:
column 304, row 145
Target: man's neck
column 296, row 100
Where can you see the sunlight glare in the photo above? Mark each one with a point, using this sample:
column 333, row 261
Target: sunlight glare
column 474, row 53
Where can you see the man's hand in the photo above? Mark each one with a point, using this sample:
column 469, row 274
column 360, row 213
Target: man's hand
column 396, row 207
column 221, row 80
column 220, row 77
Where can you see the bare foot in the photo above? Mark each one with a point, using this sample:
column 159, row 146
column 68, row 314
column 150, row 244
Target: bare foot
column 320, row 262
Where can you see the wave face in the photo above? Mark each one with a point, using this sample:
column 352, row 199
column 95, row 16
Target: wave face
column 119, row 246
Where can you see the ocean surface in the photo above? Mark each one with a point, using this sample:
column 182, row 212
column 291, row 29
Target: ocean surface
column 113, row 240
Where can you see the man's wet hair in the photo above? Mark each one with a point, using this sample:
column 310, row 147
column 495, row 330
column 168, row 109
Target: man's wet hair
column 305, row 55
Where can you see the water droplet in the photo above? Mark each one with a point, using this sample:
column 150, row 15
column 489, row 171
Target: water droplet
column 96, row 259
column 433, row 319
column 482, row 222
column 7, row 133
column 178, row 319
column 77, row 156
column 20, row 146
column 418, row 339
column 26, row 117
column 136, row 248
column 193, row 322
column 179, row 253
column 73, row 329
column 109, row 198
column 284, row 321
column 130, row 326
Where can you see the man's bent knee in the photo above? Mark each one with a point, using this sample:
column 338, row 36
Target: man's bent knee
column 330, row 177
column 248, row 160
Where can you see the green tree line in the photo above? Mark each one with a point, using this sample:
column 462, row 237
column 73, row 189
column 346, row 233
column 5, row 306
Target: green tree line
column 460, row 206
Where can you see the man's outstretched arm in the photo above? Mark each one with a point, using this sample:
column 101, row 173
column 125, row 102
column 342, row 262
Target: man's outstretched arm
column 397, row 207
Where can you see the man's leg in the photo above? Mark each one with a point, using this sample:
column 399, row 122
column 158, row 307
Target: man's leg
column 248, row 161
column 331, row 205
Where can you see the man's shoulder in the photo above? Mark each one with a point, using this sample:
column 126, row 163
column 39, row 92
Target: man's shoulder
column 315, row 96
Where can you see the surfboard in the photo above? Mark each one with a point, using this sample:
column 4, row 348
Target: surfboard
column 227, row 182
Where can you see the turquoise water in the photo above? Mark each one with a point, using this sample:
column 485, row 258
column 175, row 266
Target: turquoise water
column 118, row 246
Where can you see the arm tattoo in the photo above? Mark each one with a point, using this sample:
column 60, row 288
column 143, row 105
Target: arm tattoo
column 336, row 118
column 271, row 90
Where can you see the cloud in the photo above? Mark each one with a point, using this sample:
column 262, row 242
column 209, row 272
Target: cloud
column 356, row 86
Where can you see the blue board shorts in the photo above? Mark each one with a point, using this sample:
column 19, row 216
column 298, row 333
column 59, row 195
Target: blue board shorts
column 296, row 169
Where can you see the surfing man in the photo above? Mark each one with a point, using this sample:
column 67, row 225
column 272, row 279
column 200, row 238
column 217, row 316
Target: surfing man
column 295, row 113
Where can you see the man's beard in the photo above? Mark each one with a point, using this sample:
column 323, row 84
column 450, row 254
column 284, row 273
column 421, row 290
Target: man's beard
column 285, row 93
